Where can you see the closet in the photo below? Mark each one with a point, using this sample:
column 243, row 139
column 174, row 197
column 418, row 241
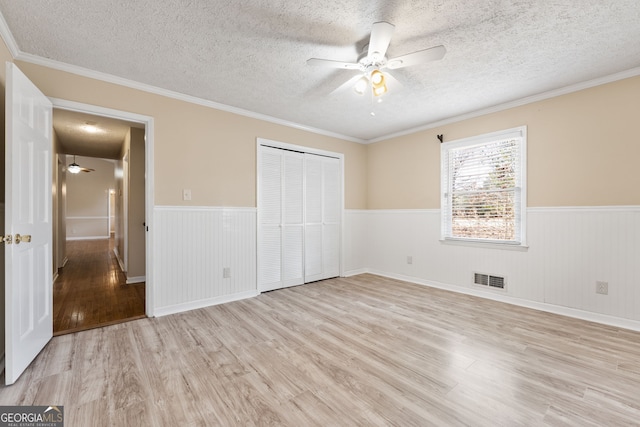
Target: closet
column 299, row 216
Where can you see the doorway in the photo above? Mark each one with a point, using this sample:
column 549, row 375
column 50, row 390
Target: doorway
column 96, row 284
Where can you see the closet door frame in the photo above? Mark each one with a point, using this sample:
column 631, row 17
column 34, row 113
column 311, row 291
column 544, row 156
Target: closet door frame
column 262, row 142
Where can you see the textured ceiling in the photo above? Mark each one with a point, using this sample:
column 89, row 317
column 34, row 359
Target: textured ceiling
column 251, row 54
column 104, row 141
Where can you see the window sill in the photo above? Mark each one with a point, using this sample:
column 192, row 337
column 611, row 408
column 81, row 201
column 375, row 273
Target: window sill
column 485, row 245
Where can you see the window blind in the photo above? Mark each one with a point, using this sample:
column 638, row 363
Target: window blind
column 482, row 191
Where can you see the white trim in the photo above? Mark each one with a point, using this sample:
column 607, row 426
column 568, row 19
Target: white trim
column 578, row 209
column 518, row 133
column 137, row 279
column 604, row 319
column 298, row 148
column 487, row 245
column 65, row 261
column 485, row 138
column 149, row 137
column 120, row 263
column 355, row 272
column 538, row 209
column 193, row 305
column 203, row 208
column 109, row 78
column 263, row 142
column 633, row 72
column 87, row 238
column 8, row 38
column 80, row 107
column 55, row 276
column 404, row 211
column 17, row 54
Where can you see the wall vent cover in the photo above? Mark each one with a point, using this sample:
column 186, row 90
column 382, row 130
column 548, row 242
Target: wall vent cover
column 489, row 280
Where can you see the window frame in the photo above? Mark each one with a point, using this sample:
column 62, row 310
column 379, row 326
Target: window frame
column 519, row 133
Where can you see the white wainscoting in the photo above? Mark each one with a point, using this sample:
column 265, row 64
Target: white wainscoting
column 569, row 250
column 355, row 242
column 192, row 247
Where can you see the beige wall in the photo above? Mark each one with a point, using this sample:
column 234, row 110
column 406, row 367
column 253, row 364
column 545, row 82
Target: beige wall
column 209, row 151
column 61, row 244
column 583, row 150
column 119, row 206
column 136, row 213
column 55, row 207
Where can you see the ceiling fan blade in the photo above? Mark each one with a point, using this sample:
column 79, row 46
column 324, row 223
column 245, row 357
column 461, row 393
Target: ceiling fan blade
column 431, row 54
column 87, row 169
column 332, row 64
column 381, row 33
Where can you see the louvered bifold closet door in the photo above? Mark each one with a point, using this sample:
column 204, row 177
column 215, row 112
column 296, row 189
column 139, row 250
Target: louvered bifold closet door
column 331, row 217
column 293, row 219
column 270, row 220
column 323, row 214
column 313, row 259
column 281, row 219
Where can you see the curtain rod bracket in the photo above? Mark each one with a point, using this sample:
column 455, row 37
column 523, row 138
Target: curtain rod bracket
column 441, row 138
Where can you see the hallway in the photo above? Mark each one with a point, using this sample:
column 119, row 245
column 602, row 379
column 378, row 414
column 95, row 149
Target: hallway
column 91, row 290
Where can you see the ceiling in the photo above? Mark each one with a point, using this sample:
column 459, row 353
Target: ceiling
column 251, row 54
column 88, row 135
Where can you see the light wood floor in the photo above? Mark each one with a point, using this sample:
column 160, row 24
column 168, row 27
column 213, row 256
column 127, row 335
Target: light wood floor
column 344, row 352
column 91, row 290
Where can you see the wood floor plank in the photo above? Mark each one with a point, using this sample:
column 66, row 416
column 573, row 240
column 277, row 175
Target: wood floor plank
column 91, row 290
column 364, row 350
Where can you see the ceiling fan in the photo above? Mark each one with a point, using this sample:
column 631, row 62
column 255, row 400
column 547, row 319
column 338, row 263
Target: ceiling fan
column 372, row 61
column 76, row 168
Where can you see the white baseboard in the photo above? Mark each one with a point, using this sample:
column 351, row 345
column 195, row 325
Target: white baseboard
column 55, row 277
column 355, row 272
column 192, row 305
column 87, row 238
column 137, row 279
column 120, row 263
column 65, row 261
column 604, row 319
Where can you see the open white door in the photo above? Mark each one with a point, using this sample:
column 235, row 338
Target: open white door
column 28, row 225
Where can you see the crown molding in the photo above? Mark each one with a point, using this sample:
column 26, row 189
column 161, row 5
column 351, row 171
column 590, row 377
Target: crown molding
column 109, row 78
column 7, row 36
column 17, row 54
column 517, row 103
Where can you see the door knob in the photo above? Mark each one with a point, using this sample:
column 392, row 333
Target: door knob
column 6, row 239
column 26, row 238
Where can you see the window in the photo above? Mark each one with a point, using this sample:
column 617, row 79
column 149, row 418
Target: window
column 483, row 191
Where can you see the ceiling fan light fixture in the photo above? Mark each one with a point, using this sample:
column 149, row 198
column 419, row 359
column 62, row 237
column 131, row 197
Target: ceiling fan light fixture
column 381, row 90
column 378, row 83
column 74, row 168
column 361, row 86
column 377, row 78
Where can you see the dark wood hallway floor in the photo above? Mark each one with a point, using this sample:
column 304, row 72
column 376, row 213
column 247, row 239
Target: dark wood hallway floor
column 91, row 290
